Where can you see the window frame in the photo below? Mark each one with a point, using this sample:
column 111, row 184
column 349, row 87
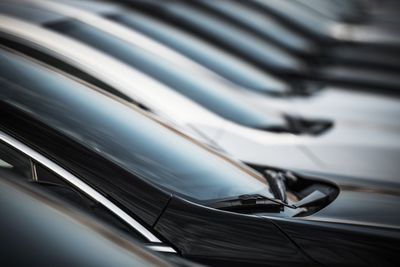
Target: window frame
column 154, row 243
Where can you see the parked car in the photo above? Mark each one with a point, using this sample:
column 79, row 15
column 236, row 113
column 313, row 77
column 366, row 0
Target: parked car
column 242, row 130
column 323, row 102
column 179, row 195
column 333, row 21
column 39, row 230
column 270, row 57
column 361, row 45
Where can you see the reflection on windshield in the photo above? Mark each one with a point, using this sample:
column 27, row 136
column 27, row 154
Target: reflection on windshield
column 218, row 60
column 210, row 94
column 127, row 137
column 230, row 35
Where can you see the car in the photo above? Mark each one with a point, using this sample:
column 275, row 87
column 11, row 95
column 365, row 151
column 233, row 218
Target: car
column 242, row 130
column 179, row 195
column 267, row 56
column 364, row 52
column 325, row 21
column 54, row 233
column 323, row 101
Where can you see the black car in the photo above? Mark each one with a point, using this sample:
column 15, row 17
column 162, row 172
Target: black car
column 362, row 67
column 38, row 229
column 358, row 44
column 177, row 195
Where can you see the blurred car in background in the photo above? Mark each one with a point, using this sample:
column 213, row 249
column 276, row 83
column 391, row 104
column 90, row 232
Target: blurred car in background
column 330, row 102
column 242, row 129
column 266, row 55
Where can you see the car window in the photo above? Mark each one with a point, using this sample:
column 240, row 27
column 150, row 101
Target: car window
column 13, row 162
column 214, row 28
column 17, row 164
column 200, row 90
column 29, row 13
column 131, row 139
column 212, row 57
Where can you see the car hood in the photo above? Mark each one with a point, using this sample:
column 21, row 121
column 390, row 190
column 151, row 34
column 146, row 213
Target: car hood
column 360, row 227
column 337, row 104
column 364, row 202
column 349, row 150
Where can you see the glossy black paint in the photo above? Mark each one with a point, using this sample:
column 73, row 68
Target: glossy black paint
column 219, row 238
column 204, row 234
column 36, row 230
column 361, row 225
column 335, row 244
column 138, row 198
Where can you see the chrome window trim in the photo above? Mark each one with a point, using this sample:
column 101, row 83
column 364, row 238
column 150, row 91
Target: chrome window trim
column 160, row 248
column 80, row 185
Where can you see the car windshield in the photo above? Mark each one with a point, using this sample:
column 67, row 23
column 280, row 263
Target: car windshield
column 228, row 34
column 301, row 16
column 122, row 134
column 228, row 66
column 244, row 13
column 211, row 95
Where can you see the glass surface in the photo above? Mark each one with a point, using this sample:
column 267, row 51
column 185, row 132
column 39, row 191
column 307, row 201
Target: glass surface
column 255, row 20
column 14, row 163
column 200, row 90
column 228, row 66
column 28, row 13
column 230, row 35
column 57, row 187
column 127, row 137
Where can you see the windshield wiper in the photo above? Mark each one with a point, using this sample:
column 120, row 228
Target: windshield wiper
column 276, row 182
column 298, row 125
column 250, row 203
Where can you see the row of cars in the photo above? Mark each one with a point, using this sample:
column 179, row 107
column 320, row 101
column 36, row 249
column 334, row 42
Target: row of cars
column 228, row 133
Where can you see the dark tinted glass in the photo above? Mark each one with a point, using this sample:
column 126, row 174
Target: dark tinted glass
column 227, row 34
column 127, row 137
column 200, row 90
column 28, row 13
column 14, row 162
column 230, row 67
column 56, row 186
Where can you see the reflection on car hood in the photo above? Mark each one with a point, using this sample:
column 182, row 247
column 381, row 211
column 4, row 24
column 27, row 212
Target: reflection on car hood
column 363, row 202
column 360, row 151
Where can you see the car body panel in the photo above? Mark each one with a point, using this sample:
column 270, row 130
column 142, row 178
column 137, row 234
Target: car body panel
column 238, row 238
column 361, row 224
